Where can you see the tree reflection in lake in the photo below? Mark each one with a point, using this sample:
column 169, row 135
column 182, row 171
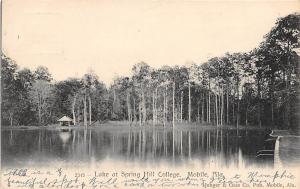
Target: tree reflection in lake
column 214, row 147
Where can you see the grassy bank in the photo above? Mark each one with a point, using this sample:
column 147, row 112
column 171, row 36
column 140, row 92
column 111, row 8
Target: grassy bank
column 125, row 125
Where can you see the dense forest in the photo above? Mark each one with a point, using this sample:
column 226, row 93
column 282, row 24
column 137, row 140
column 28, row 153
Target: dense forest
column 260, row 87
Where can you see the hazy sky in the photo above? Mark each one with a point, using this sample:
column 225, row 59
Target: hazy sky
column 70, row 37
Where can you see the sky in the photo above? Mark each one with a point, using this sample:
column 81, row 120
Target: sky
column 72, row 37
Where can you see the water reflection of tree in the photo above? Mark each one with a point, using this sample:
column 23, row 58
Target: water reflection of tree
column 210, row 147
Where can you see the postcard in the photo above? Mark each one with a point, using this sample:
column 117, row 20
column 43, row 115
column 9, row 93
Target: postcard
column 150, row 94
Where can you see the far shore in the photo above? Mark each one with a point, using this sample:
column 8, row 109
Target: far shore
column 125, row 125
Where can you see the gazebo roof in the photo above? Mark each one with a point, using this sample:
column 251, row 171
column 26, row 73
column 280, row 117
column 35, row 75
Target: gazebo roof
column 65, row 118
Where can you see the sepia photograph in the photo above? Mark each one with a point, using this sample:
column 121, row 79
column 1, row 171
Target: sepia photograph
column 150, row 94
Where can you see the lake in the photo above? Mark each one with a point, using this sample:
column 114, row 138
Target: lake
column 208, row 147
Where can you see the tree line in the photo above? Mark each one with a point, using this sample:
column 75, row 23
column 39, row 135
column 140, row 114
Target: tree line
column 260, row 87
column 31, row 98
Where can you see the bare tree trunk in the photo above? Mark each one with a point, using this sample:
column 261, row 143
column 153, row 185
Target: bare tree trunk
column 156, row 113
column 90, row 110
column 238, row 107
column 207, row 120
column 84, row 112
column 219, row 108
column 40, row 109
column 11, row 118
column 78, row 113
column 227, row 106
column 173, row 104
column 144, row 105
column 164, row 117
column 202, row 109
column 114, row 102
column 73, row 110
column 140, row 114
column 134, row 111
column 177, row 110
column 40, row 114
column 181, row 105
column 198, row 112
column 216, row 105
column 222, row 105
column 140, row 111
column 153, row 108
column 128, row 106
column 190, row 108
column 167, row 110
column 209, row 101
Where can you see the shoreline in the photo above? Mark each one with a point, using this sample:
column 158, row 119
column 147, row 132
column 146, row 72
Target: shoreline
column 124, row 125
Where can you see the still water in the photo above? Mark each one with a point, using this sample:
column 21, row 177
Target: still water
column 210, row 147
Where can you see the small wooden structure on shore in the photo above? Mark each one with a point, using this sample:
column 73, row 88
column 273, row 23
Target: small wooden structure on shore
column 65, row 121
column 285, row 150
